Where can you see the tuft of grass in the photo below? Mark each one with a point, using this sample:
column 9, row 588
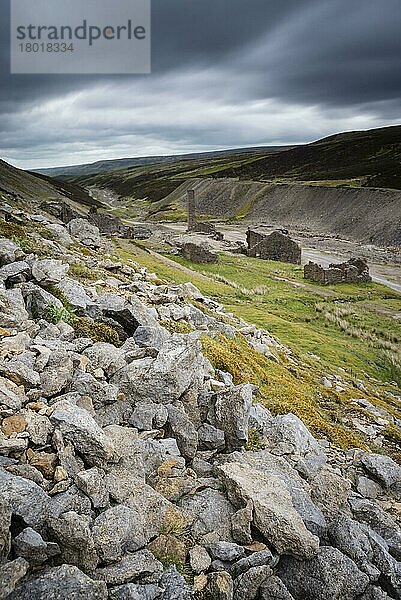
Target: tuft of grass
column 254, row 440
column 176, row 326
column 81, row 272
column 55, row 314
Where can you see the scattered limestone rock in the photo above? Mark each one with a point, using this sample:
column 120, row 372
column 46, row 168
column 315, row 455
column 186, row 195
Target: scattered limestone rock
column 232, row 415
column 328, row 575
column 30, row 545
column 85, row 232
column 273, row 510
column 385, row 470
column 164, row 379
column 64, row 583
column 78, row 427
column 10, row 574
column 91, row 482
column 48, row 271
column 199, row 559
column 141, row 566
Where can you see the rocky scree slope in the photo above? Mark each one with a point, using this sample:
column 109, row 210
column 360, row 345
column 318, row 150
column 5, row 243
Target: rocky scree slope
column 126, row 470
column 32, row 189
column 367, row 215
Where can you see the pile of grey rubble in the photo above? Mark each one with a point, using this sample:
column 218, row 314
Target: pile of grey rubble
column 123, row 470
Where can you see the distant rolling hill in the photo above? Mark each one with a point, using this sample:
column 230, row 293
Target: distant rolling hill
column 373, row 157
column 153, row 182
column 103, row 166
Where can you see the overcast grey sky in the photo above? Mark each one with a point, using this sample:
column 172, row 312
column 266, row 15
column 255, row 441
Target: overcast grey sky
column 225, row 73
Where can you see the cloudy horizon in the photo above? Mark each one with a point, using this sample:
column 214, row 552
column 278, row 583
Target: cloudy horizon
column 223, row 76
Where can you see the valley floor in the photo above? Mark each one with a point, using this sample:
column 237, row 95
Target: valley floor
column 384, row 263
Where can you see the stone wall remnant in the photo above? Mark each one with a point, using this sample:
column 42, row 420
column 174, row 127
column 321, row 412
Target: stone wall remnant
column 199, row 253
column 274, row 246
column 354, row 270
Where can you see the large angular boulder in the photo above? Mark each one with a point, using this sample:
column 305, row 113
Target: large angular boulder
column 212, row 513
column 66, row 582
column 328, row 576
column 183, row 430
column 287, row 435
column 380, row 521
column 10, row 574
column 15, row 272
column 232, row 415
column 78, row 298
column 273, row 510
column 130, row 313
column 278, row 467
column 118, row 530
column 25, row 499
column 13, row 313
column 48, row 271
column 140, row 566
column 30, row 545
column 61, row 233
column 78, row 427
column 9, row 252
column 385, row 470
column 178, row 366
column 85, row 232
column 105, row 356
column 73, row 534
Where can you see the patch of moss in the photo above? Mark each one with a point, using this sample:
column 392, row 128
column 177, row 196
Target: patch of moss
column 97, row 331
column 392, row 433
column 31, row 245
column 176, row 326
column 254, row 440
column 11, row 230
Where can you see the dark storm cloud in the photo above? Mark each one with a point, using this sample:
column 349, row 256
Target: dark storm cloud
column 184, row 34
column 336, row 52
column 224, row 73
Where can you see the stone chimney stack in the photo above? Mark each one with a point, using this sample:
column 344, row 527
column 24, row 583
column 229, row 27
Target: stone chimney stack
column 191, row 209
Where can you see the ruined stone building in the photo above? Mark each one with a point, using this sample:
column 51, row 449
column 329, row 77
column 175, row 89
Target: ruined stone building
column 355, row 270
column 273, row 246
column 200, row 227
column 198, row 253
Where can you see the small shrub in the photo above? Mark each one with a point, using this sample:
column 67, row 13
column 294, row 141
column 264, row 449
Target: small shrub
column 55, row 314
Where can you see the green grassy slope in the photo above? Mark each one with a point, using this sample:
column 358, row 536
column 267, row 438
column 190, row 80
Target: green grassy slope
column 155, row 182
column 102, row 166
column 35, row 188
column 372, row 156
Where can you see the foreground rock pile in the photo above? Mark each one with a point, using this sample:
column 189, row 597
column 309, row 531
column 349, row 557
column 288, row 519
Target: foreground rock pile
column 123, row 469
